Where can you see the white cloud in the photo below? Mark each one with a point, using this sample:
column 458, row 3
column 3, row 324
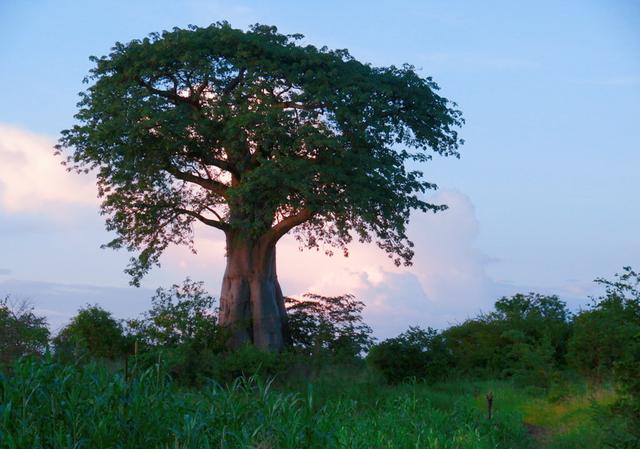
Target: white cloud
column 32, row 179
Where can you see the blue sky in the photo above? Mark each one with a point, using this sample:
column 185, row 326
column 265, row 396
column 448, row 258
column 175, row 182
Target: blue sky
column 544, row 198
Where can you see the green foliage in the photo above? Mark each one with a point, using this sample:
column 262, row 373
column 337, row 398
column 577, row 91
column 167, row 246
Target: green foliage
column 181, row 315
column 46, row 405
column 415, row 354
column 530, row 364
column 328, row 325
column 21, row 331
column 181, row 331
column 606, row 342
column 627, row 376
column 526, row 335
column 603, row 334
column 92, row 333
column 254, row 134
column 249, row 361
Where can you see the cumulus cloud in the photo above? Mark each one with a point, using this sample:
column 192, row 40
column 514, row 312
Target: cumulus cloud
column 32, row 179
column 448, row 281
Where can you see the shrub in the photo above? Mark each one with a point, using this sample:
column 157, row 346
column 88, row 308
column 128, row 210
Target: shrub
column 92, row 333
column 602, row 335
column 21, row 331
column 415, row 354
column 530, row 362
column 182, row 314
column 612, row 346
column 181, row 331
column 328, row 325
column 522, row 326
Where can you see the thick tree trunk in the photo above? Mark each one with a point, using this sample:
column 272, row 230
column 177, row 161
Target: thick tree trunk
column 251, row 301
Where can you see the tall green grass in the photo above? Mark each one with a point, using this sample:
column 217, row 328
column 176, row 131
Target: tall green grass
column 47, row 405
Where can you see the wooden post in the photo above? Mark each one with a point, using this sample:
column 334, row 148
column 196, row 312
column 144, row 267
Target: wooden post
column 135, row 348
column 126, row 368
column 490, row 404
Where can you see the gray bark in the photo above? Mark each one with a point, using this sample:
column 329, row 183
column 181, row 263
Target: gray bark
column 251, row 301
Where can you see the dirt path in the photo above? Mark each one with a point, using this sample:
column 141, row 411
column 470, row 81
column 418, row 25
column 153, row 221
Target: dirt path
column 541, row 435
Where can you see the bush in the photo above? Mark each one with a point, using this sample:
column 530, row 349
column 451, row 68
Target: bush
column 182, row 314
column 328, row 325
column 612, row 347
column 525, row 331
column 602, row 335
column 181, row 331
column 531, row 363
column 415, row 354
column 92, row 333
column 21, row 331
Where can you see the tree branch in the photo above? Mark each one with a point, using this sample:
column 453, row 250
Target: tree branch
column 202, row 87
column 221, row 164
column 281, row 228
column 173, row 96
column 208, row 221
column 208, row 184
column 213, row 211
column 235, row 82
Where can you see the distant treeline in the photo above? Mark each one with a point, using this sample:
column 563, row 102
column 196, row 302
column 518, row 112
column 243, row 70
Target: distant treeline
column 531, row 338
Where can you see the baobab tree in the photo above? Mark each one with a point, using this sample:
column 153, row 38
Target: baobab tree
column 256, row 135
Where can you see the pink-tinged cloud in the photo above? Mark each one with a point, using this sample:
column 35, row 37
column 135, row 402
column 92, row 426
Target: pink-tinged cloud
column 32, row 178
column 448, row 281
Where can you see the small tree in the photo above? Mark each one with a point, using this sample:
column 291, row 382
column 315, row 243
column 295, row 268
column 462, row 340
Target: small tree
column 21, row 331
column 182, row 314
column 539, row 317
column 255, row 135
column 92, row 332
column 181, row 329
column 331, row 324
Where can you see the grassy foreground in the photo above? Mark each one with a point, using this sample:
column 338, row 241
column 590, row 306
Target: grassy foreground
column 47, row 405
column 572, row 420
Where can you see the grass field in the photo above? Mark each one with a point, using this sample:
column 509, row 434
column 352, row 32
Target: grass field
column 45, row 405
column 552, row 421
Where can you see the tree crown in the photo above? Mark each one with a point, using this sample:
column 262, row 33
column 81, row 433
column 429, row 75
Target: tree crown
column 254, row 134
